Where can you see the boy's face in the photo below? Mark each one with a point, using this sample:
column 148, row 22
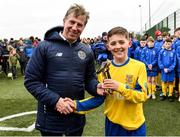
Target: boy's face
column 150, row 44
column 177, row 34
column 118, row 45
column 159, row 37
column 143, row 43
column 167, row 45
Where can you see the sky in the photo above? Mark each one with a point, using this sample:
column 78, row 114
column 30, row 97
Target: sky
column 24, row 18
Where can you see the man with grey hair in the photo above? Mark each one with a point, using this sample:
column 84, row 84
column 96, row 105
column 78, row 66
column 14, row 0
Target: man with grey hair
column 59, row 71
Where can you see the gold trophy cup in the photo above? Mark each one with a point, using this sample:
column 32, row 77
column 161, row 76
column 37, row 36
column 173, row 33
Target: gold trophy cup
column 104, row 69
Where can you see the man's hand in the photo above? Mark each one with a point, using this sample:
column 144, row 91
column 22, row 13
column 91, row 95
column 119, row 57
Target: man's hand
column 65, row 105
column 100, row 90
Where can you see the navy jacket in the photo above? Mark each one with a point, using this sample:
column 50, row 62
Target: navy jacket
column 59, row 69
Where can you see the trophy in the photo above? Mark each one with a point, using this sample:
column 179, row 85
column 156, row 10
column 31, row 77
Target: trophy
column 104, row 69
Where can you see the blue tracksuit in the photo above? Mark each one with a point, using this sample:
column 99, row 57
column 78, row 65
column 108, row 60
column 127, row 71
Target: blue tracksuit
column 150, row 56
column 176, row 43
column 134, row 45
column 158, row 44
column 131, row 52
column 167, row 59
column 178, row 61
column 138, row 53
column 99, row 50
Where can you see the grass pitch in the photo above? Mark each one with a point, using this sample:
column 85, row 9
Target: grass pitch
column 162, row 117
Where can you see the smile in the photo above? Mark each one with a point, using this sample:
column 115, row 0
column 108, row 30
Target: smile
column 119, row 50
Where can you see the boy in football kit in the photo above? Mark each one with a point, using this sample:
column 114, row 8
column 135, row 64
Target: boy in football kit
column 167, row 63
column 138, row 50
column 176, row 45
column 150, row 59
column 124, row 105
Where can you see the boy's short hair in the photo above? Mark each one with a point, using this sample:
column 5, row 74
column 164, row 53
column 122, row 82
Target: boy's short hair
column 77, row 10
column 164, row 34
column 118, row 30
column 177, row 29
column 143, row 38
column 172, row 37
column 168, row 40
column 150, row 39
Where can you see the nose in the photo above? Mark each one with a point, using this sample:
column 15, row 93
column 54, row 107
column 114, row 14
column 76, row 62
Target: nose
column 118, row 45
column 74, row 27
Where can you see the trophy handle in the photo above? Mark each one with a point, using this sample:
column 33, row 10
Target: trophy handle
column 104, row 69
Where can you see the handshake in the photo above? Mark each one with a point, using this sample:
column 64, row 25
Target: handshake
column 67, row 105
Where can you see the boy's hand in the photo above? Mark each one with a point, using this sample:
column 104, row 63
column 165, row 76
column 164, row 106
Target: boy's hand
column 165, row 70
column 110, row 84
column 150, row 66
column 70, row 102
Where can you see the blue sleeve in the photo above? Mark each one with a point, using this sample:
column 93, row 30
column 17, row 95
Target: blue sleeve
column 136, row 53
column 143, row 57
column 174, row 46
column 161, row 66
column 154, row 63
column 178, row 58
column 85, row 105
column 172, row 67
column 178, row 54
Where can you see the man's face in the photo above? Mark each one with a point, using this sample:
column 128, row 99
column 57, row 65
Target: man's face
column 118, row 45
column 73, row 27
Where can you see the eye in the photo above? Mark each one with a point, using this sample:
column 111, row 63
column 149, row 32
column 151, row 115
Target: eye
column 80, row 25
column 113, row 43
column 72, row 22
column 121, row 42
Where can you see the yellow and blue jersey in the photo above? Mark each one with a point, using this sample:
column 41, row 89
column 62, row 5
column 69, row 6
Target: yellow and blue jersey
column 124, row 106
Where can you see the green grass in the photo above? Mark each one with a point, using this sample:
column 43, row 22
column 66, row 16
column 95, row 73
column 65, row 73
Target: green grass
column 162, row 117
column 24, row 121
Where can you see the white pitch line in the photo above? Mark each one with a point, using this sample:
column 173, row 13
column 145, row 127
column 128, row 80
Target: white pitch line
column 29, row 129
column 17, row 115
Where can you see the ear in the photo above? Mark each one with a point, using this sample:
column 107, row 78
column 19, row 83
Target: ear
column 64, row 21
column 108, row 47
column 130, row 43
